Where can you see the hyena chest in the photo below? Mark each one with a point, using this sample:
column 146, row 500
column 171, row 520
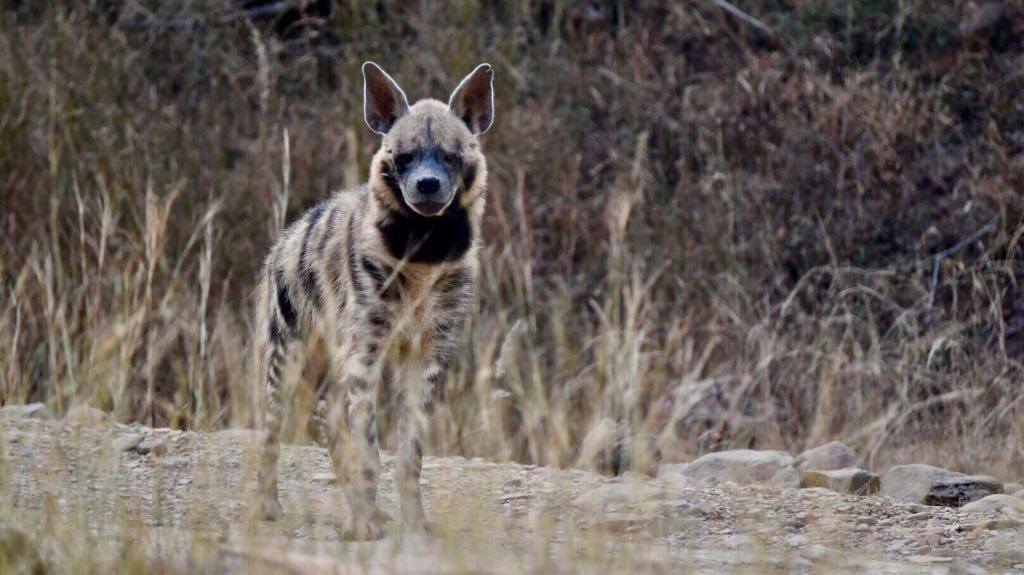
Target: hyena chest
column 406, row 315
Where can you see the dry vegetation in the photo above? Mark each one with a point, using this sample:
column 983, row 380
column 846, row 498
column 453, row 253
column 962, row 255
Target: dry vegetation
column 781, row 236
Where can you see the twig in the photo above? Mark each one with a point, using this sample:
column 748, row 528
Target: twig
column 257, row 12
column 728, row 7
column 950, row 251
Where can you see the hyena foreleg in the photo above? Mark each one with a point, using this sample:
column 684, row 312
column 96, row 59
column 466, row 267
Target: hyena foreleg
column 414, row 408
column 352, row 442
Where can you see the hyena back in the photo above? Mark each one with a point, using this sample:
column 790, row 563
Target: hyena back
column 380, row 278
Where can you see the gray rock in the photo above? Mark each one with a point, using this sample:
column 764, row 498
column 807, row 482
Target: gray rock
column 956, row 491
column 155, row 445
column 912, row 483
column 36, row 410
column 830, row 456
column 127, row 442
column 1019, row 494
column 744, row 467
column 1012, row 487
column 616, row 496
column 998, row 502
column 86, row 415
column 849, row 480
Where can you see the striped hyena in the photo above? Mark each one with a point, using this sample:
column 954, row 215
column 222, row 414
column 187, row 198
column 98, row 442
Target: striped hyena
column 379, row 279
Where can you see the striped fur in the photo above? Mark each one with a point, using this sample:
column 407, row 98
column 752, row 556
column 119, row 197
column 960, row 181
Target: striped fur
column 383, row 291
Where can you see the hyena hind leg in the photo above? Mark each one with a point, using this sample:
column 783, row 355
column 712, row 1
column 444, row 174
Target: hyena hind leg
column 274, row 359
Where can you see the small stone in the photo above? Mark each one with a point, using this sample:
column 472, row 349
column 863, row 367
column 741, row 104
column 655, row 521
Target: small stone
column 928, row 559
column 173, row 461
column 36, row 410
column 919, row 516
column 850, row 480
column 795, row 522
column 745, row 467
column 830, row 456
column 154, row 445
column 86, row 415
column 127, row 442
column 328, row 478
column 997, row 502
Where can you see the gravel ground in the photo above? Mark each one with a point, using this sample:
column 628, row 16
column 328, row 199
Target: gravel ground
column 96, row 497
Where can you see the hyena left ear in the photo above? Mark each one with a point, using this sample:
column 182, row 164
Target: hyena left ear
column 384, row 102
column 473, row 99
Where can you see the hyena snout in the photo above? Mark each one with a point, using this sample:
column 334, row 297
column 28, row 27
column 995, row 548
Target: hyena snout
column 429, row 188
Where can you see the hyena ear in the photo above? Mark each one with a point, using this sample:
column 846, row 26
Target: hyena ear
column 473, row 99
column 384, row 101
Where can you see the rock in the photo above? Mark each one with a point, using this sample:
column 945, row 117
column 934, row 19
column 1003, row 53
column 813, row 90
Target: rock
column 1012, row 488
column 1019, row 494
column 127, row 442
column 18, row 553
column 917, row 483
column 615, row 496
column 745, row 467
column 36, row 410
column 993, row 503
column 327, row 478
column 86, row 415
column 239, row 434
column 956, row 491
column 919, row 516
column 155, row 445
column 828, row 457
column 849, row 480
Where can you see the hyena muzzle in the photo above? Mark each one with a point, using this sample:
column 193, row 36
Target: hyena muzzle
column 379, row 279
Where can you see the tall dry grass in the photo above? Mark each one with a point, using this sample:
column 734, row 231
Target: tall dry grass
column 694, row 226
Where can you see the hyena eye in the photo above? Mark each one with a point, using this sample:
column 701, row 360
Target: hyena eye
column 451, row 159
column 402, row 161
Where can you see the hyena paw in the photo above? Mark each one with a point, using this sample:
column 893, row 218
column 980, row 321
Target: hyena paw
column 270, row 508
column 361, row 529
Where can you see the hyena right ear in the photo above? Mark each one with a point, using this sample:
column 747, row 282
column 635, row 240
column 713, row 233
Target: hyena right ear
column 473, row 99
column 384, row 101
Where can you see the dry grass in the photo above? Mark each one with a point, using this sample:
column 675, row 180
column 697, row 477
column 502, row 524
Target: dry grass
column 691, row 225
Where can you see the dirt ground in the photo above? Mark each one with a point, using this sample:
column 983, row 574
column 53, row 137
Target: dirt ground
column 180, row 502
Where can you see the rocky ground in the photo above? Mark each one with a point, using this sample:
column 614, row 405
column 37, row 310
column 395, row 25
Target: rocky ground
column 85, row 495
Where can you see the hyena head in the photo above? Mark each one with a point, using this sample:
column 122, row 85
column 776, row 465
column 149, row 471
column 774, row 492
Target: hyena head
column 429, row 159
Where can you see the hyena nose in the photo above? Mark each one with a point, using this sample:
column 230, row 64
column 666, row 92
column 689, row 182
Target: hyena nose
column 428, row 186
